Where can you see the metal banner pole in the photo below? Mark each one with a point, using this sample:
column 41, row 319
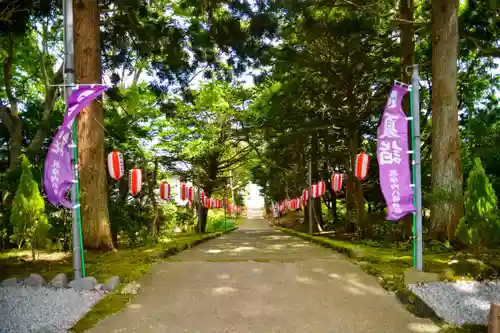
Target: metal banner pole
column 309, row 199
column 198, row 210
column 417, row 178
column 69, row 80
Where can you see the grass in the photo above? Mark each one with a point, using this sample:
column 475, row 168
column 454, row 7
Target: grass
column 128, row 264
column 388, row 265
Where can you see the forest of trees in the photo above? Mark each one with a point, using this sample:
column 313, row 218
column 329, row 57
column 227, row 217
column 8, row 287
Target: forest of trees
column 227, row 92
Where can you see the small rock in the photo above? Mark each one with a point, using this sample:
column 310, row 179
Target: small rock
column 87, row 283
column 11, row 282
column 99, row 287
column 413, row 276
column 59, row 281
column 357, row 253
column 131, row 288
column 112, row 283
column 34, row 280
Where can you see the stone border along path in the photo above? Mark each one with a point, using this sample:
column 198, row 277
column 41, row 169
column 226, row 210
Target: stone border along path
column 257, row 280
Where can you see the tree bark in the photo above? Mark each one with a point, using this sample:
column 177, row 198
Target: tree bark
column 151, row 185
column 447, row 206
column 494, row 318
column 93, row 178
column 315, row 203
column 203, row 219
column 333, row 208
column 354, row 191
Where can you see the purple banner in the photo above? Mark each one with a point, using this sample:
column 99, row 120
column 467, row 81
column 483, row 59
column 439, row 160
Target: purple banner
column 393, row 157
column 58, row 174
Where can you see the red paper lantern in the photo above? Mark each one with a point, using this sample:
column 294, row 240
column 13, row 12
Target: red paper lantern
column 115, row 165
column 337, row 179
column 165, row 191
column 135, row 181
column 321, row 188
column 305, row 196
column 190, row 194
column 209, row 203
column 315, row 190
column 361, row 167
column 182, row 190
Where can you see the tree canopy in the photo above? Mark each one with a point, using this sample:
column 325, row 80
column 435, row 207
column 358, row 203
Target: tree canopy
column 223, row 93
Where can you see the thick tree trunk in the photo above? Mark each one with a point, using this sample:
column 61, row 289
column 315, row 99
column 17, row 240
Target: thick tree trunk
column 494, row 318
column 354, row 191
column 151, row 186
column 202, row 227
column 407, row 50
column 16, row 142
column 360, row 203
column 447, row 206
column 333, row 208
column 93, row 178
column 350, row 182
column 316, row 203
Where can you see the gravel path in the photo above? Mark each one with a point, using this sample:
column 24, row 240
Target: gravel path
column 42, row 310
column 462, row 302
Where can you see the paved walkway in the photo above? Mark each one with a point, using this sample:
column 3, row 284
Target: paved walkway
column 259, row 280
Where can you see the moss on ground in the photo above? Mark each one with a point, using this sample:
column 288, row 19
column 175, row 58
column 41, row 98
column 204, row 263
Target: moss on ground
column 389, row 265
column 128, row 264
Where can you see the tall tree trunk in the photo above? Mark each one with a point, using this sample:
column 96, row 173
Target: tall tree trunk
column 351, row 178
column 407, row 51
column 447, row 206
column 151, row 186
column 333, row 208
column 16, row 142
column 202, row 227
column 93, row 178
column 316, row 203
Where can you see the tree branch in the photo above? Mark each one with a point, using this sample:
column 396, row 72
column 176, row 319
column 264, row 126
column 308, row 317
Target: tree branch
column 8, row 11
column 5, row 118
column 7, row 75
column 51, row 95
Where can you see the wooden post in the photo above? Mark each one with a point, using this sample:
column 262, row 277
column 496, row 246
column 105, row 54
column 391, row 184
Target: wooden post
column 494, row 318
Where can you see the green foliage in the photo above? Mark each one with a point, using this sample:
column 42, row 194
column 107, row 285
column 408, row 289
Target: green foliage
column 480, row 225
column 28, row 212
column 220, row 224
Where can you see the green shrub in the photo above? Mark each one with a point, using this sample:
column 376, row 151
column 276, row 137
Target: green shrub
column 220, row 224
column 28, row 213
column 479, row 226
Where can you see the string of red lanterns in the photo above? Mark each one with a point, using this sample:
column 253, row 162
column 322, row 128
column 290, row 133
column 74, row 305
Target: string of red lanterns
column 362, row 163
column 116, row 171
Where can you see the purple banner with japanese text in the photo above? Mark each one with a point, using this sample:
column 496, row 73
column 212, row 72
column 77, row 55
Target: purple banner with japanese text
column 58, row 173
column 393, row 157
